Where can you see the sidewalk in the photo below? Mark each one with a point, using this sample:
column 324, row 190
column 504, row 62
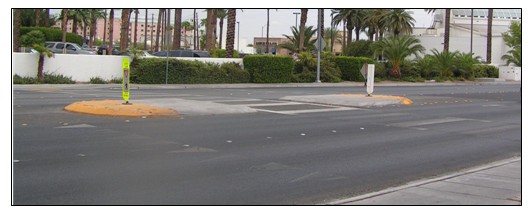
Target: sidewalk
column 498, row 183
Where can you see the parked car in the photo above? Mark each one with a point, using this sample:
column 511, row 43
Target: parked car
column 115, row 50
column 71, row 48
column 182, row 53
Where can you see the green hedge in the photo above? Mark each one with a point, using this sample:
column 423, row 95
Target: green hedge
column 485, row 71
column 153, row 71
column 53, row 34
column 350, row 67
column 268, row 68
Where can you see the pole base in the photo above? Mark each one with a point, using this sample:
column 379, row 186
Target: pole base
column 127, row 103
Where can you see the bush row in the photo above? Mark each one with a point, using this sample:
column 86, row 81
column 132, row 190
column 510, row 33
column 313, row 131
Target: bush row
column 153, row 71
column 53, row 34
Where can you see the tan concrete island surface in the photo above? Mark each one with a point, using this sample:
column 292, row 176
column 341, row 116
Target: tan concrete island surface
column 117, row 108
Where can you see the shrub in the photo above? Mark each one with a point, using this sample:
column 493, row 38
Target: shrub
column 407, row 69
column 464, row 63
column 47, row 79
column 97, row 80
column 152, row 71
column 350, row 67
column 361, row 48
column 485, row 71
column 268, row 68
column 24, row 80
column 57, row 79
column 53, row 34
column 221, row 53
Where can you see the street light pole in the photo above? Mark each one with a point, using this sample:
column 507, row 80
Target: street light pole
column 238, row 42
column 331, row 33
column 471, row 29
column 296, row 16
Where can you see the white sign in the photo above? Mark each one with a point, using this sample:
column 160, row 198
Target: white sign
column 370, row 78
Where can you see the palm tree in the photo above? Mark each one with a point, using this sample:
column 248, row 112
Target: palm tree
column 444, row 62
column 331, row 34
column 110, row 47
column 358, row 20
column 302, row 26
column 513, row 39
column 63, row 25
column 177, row 29
column 145, row 30
column 375, row 21
column 47, row 18
column 124, row 29
column 447, row 30
column 136, row 27
column 210, row 29
column 221, row 14
column 293, row 44
column 400, row 21
column 95, row 14
column 395, row 49
column 231, row 26
column 37, row 16
column 35, row 40
column 344, row 15
column 16, row 29
column 76, row 15
column 158, row 30
column 490, row 13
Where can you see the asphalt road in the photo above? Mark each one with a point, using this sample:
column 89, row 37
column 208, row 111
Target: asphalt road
column 256, row 158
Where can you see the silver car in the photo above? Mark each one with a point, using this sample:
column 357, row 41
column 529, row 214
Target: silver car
column 71, row 48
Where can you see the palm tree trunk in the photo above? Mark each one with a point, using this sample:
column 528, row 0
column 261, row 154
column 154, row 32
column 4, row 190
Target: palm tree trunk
column 110, row 47
column 37, row 17
column 343, row 43
column 105, row 27
column 124, row 30
column 163, row 30
column 158, row 31
column 267, row 35
column 489, row 35
column 16, row 29
column 63, row 25
column 136, row 28
column 302, row 26
column 40, row 66
column 357, row 34
column 220, row 32
column 395, row 71
column 231, row 27
column 195, row 30
column 210, row 29
column 177, row 30
column 447, row 30
column 74, row 25
column 92, row 32
column 145, row 30
column 47, row 18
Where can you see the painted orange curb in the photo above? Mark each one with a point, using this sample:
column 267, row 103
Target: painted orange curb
column 116, row 108
column 403, row 100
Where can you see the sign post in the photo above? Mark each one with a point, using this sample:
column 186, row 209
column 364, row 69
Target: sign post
column 125, row 80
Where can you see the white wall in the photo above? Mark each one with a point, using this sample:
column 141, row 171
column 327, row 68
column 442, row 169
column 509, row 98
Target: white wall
column 83, row 67
column 462, row 44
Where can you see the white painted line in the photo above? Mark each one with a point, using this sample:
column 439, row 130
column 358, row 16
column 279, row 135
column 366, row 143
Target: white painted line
column 76, row 126
column 428, row 122
column 304, row 177
column 317, row 110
